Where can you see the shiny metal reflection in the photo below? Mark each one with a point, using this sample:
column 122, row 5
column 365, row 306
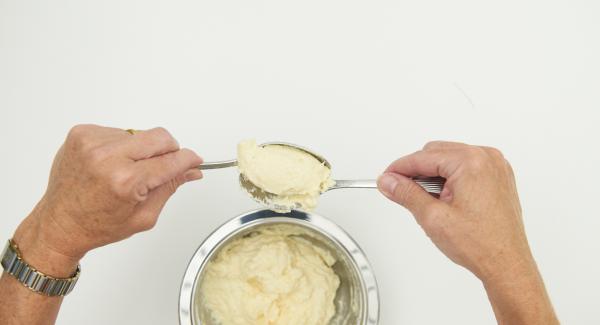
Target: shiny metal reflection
column 357, row 299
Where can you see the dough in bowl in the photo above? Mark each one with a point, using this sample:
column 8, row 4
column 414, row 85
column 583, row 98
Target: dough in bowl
column 271, row 276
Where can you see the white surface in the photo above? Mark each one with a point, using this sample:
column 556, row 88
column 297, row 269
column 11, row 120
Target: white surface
column 362, row 82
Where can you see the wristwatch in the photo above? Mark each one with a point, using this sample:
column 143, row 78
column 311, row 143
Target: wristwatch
column 13, row 264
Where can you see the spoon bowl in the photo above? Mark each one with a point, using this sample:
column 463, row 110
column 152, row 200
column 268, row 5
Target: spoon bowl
column 432, row 185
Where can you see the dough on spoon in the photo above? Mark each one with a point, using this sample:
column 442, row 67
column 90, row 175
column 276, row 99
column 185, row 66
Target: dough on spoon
column 294, row 177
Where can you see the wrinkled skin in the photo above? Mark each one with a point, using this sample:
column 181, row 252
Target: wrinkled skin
column 476, row 222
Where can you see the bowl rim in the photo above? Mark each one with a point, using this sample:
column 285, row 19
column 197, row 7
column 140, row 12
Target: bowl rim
column 257, row 217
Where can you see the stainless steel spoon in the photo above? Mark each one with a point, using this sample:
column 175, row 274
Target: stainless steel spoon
column 433, row 185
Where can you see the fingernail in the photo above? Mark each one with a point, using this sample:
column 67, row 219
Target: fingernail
column 387, row 183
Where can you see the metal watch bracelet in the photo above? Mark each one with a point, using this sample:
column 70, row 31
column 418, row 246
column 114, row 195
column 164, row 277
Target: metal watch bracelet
column 13, row 264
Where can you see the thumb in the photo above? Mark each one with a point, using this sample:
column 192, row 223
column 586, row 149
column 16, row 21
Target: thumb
column 406, row 192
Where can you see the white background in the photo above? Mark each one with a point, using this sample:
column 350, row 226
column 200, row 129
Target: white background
column 362, row 82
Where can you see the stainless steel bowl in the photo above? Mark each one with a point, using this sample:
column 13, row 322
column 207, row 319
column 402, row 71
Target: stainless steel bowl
column 357, row 298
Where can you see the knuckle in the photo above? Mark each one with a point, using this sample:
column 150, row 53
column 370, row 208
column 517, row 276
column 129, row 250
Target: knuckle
column 165, row 137
column 495, row 156
column 161, row 131
column 122, row 183
column 97, row 155
column 80, row 137
column 475, row 158
column 78, row 130
column 174, row 184
column 494, row 152
column 441, row 145
column 145, row 224
column 432, row 145
column 411, row 159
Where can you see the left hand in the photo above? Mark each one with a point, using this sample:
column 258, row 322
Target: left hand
column 105, row 185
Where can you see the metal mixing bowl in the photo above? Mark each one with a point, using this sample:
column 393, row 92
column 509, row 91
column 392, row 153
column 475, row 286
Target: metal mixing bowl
column 357, row 298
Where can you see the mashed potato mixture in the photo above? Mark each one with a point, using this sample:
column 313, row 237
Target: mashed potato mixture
column 295, row 177
column 273, row 276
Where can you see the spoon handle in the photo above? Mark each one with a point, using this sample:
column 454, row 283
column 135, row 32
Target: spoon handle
column 433, row 185
column 357, row 183
column 218, row 164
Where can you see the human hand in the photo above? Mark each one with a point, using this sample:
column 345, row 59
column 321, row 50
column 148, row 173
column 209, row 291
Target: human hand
column 477, row 221
column 106, row 185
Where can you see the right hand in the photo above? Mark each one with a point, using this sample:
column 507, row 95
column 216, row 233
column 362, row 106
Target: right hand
column 477, row 221
column 105, row 185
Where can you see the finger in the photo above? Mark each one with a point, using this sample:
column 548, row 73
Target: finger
column 439, row 145
column 156, row 171
column 193, row 174
column 147, row 144
column 88, row 136
column 407, row 193
column 493, row 152
column 147, row 212
column 427, row 163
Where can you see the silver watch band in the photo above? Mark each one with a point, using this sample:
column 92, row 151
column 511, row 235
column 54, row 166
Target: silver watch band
column 33, row 279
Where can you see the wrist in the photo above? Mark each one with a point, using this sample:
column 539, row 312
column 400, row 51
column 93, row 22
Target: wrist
column 518, row 274
column 520, row 297
column 507, row 265
column 37, row 250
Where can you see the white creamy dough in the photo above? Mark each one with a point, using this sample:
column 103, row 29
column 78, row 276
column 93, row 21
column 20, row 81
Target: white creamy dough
column 294, row 176
column 272, row 277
